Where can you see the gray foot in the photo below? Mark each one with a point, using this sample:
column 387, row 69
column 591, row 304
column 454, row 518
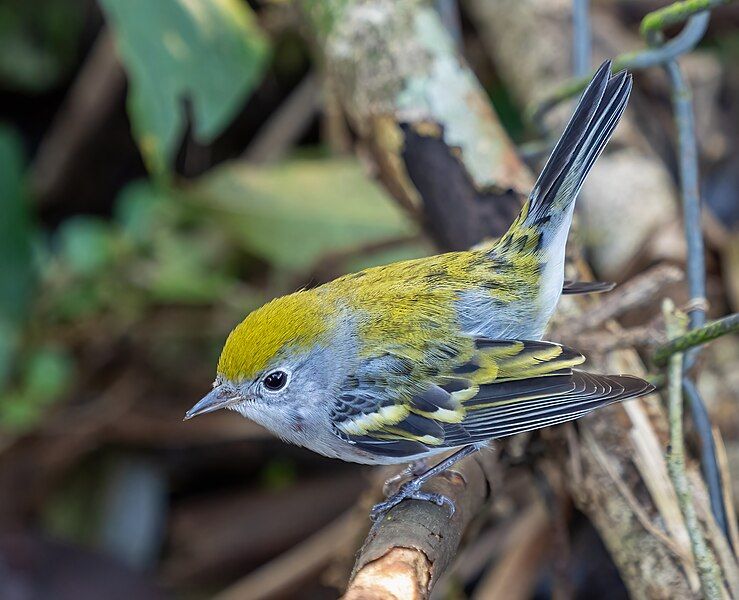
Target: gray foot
column 409, row 491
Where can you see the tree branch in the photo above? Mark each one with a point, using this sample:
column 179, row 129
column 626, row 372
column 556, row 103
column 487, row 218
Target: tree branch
column 418, row 109
column 696, row 337
column 412, row 546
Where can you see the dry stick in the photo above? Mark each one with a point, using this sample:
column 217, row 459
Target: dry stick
column 606, row 341
column 705, row 560
column 639, row 291
column 515, row 576
column 93, row 95
column 287, row 124
column 629, row 496
column 283, row 574
column 723, row 465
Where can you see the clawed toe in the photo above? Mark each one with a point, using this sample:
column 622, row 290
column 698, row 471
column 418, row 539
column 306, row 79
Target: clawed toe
column 439, row 499
column 409, row 492
column 412, row 489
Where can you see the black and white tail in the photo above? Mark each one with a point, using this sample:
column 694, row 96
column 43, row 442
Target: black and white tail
column 544, row 222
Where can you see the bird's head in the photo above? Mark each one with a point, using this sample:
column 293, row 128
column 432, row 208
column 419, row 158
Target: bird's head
column 274, row 361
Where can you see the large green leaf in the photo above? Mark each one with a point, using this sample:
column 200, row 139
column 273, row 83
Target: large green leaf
column 16, row 269
column 209, row 51
column 294, row 213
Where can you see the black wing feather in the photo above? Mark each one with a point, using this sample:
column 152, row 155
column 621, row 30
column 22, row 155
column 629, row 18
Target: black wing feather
column 587, row 392
column 587, row 287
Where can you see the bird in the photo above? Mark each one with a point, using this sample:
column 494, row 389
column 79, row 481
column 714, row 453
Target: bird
column 399, row 363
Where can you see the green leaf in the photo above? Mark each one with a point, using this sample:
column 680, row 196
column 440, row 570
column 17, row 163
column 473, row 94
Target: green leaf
column 294, row 213
column 183, row 270
column 17, row 413
column 16, row 265
column 86, row 244
column 142, row 209
column 210, row 51
column 48, row 374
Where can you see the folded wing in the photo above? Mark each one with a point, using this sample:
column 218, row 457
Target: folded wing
column 502, row 388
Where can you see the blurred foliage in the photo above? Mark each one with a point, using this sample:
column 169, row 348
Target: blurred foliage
column 41, row 373
column 38, row 42
column 168, row 245
column 293, row 213
column 16, row 271
column 210, row 52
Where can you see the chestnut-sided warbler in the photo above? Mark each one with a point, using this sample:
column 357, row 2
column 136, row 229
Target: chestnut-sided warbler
column 401, row 362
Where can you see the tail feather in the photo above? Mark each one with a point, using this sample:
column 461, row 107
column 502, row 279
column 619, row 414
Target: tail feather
column 560, row 161
column 587, row 133
column 547, row 215
column 534, row 246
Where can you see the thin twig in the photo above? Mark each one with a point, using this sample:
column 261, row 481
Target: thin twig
column 708, row 569
column 92, row 97
column 725, row 471
column 696, row 337
column 688, row 38
column 528, row 546
column 283, row 574
column 638, row 292
column 675, row 13
column 631, row 500
column 288, row 122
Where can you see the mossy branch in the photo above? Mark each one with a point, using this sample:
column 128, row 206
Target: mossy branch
column 708, row 569
column 696, row 337
column 673, row 14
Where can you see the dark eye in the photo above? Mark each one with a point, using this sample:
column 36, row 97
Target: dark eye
column 275, row 380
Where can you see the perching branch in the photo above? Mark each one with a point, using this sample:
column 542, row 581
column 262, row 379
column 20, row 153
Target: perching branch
column 416, row 541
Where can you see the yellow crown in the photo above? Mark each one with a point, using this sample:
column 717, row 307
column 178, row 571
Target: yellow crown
column 294, row 321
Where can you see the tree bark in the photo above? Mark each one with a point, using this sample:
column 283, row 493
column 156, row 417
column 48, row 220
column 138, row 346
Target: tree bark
column 435, row 141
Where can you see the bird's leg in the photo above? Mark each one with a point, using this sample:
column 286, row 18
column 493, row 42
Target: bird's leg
column 414, row 469
column 412, row 489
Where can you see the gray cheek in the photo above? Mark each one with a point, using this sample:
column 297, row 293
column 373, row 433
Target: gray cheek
column 297, row 422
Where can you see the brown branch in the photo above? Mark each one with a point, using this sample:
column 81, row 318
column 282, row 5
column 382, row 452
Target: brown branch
column 406, row 552
column 93, row 95
column 287, row 123
column 517, row 574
